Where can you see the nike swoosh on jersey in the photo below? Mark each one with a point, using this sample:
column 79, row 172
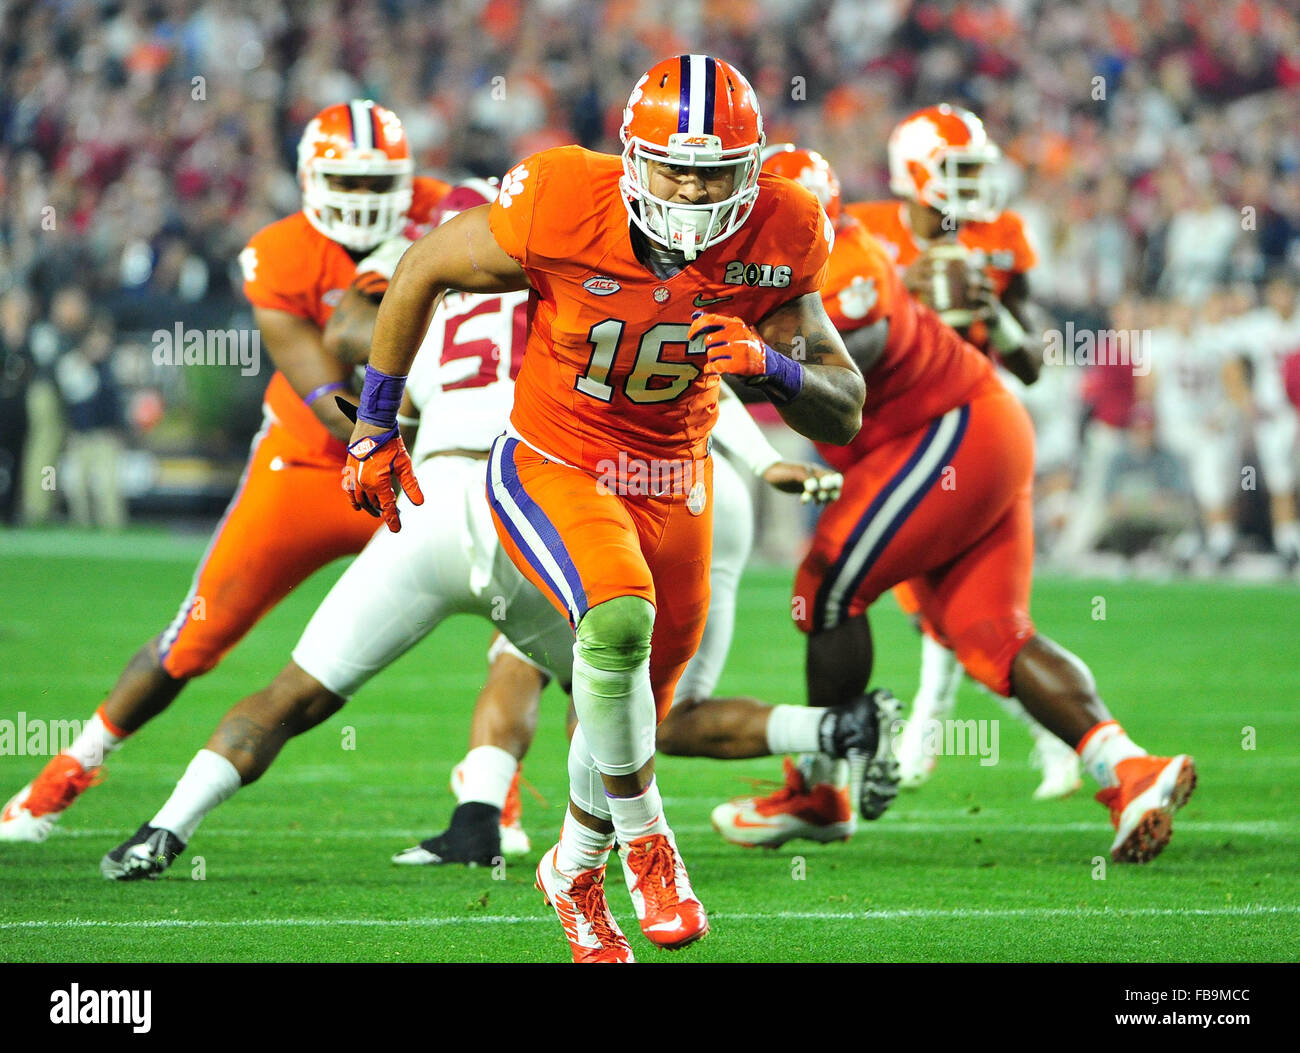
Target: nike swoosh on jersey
column 708, row 301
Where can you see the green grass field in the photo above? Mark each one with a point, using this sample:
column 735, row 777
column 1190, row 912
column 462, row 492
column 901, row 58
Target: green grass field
column 969, row 868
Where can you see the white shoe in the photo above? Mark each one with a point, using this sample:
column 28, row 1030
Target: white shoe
column 915, row 763
column 1059, row 765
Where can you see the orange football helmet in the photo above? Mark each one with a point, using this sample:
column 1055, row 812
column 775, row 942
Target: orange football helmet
column 355, row 168
column 810, row 170
column 699, row 112
column 942, row 157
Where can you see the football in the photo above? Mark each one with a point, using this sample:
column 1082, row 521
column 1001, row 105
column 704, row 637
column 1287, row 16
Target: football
column 945, row 280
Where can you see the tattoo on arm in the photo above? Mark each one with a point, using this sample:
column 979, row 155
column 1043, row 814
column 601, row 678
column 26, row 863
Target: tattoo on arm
column 241, row 735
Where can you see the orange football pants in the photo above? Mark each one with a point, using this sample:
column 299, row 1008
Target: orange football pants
column 288, row 518
column 947, row 509
column 582, row 543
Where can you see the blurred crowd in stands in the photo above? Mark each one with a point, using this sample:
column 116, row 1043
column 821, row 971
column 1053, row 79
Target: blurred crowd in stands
column 1152, row 146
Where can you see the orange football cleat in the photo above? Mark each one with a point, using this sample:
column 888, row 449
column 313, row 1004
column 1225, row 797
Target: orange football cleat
column 579, row 902
column 1142, row 806
column 819, row 813
column 31, row 813
column 670, row 915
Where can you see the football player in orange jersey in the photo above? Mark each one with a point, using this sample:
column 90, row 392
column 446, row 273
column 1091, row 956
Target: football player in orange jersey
column 285, row 520
column 600, row 488
column 936, row 492
column 941, row 167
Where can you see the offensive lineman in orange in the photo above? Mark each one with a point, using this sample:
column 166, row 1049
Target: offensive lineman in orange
column 619, row 384
column 934, row 411
column 285, row 520
column 941, row 167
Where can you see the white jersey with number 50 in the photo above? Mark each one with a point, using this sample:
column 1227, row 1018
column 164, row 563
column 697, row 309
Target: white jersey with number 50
column 463, row 378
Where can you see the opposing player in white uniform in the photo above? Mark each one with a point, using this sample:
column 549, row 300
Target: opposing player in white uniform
column 1267, row 336
column 1194, row 416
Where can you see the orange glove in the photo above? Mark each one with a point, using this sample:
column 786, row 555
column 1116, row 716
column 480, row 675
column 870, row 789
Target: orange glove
column 732, row 346
column 373, row 461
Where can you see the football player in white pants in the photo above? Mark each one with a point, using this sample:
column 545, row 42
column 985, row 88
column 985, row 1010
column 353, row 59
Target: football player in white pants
column 1194, row 417
column 1268, row 335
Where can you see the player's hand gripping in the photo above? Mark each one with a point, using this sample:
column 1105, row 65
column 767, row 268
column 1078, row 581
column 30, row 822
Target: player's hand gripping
column 732, row 346
column 809, row 481
column 375, row 458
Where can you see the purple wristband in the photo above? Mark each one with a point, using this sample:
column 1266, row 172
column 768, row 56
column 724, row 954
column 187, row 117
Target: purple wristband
column 380, row 398
column 783, row 380
column 324, row 389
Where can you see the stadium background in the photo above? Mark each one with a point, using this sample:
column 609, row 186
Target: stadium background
column 144, row 142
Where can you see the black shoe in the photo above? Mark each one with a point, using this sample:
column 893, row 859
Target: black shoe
column 146, row 854
column 853, row 727
column 875, row 759
column 473, row 839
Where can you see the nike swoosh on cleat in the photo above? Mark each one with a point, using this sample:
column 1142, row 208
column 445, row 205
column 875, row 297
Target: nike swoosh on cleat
column 708, row 301
column 666, row 926
column 745, row 824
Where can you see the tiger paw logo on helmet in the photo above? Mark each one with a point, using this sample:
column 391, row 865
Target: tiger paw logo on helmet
column 942, row 157
column 696, row 112
column 355, row 170
column 512, row 185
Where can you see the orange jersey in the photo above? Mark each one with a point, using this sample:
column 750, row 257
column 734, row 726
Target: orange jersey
column 291, row 266
column 607, row 369
column 926, row 368
column 1000, row 247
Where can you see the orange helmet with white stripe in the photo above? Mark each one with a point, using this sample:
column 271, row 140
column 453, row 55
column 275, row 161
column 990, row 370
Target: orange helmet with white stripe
column 355, row 169
column 692, row 111
column 942, row 157
column 810, row 170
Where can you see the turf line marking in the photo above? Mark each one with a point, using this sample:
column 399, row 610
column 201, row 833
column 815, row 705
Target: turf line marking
column 515, row 919
column 972, row 826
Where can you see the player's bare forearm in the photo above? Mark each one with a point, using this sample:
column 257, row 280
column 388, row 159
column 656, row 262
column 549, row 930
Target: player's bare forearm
column 828, row 408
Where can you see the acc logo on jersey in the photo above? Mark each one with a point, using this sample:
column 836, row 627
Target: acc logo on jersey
column 512, row 185
column 763, row 275
column 599, row 285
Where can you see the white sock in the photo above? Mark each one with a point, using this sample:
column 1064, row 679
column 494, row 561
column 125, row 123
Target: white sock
column 486, row 772
column 1286, row 537
column 941, row 675
column 1103, row 748
column 209, row 780
column 638, row 816
column 94, row 743
column 1219, row 539
column 581, row 848
column 794, row 729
